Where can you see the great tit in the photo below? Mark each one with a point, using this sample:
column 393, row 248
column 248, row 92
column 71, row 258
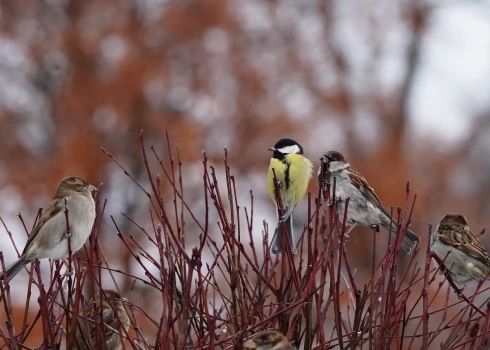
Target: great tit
column 293, row 171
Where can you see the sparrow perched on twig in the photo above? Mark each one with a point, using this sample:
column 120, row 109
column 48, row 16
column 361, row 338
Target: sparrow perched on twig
column 48, row 239
column 268, row 340
column 114, row 322
column 365, row 207
column 293, row 171
column 467, row 260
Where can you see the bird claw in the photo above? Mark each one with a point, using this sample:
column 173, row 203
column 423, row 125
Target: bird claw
column 346, row 237
column 334, row 202
column 287, row 213
column 375, row 227
column 325, row 183
column 68, row 233
column 460, row 293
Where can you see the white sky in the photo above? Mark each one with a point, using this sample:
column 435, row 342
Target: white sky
column 453, row 84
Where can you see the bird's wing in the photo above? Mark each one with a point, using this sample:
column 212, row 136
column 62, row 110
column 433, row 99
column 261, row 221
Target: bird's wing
column 367, row 191
column 464, row 240
column 93, row 314
column 110, row 318
column 54, row 208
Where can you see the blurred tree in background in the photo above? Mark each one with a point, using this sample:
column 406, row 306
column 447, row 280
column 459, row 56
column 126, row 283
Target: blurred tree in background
column 369, row 79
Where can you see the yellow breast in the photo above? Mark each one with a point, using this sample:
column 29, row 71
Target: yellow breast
column 294, row 173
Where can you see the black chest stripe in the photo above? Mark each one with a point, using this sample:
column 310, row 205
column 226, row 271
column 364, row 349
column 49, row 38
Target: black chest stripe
column 287, row 177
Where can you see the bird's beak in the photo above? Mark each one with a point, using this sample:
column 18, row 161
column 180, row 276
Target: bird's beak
column 250, row 344
column 272, row 149
column 91, row 188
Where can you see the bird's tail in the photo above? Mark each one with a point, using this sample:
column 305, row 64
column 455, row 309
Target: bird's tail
column 15, row 268
column 410, row 240
column 277, row 245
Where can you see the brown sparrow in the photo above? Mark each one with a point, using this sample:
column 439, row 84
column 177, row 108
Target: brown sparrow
column 48, row 239
column 268, row 340
column 87, row 337
column 365, row 208
column 467, row 260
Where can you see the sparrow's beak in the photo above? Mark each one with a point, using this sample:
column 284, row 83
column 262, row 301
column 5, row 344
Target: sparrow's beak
column 250, row 344
column 272, row 149
column 91, row 188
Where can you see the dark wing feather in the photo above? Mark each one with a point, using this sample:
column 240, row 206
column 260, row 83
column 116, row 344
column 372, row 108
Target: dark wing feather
column 54, row 208
column 367, row 191
column 410, row 239
column 464, row 240
column 109, row 318
column 93, row 315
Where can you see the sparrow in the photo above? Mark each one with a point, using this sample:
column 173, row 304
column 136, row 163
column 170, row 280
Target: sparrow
column 365, row 207
column 293, row 172
column 87, row 337
column 466, row 259
column 268, row 340
column 48, row 239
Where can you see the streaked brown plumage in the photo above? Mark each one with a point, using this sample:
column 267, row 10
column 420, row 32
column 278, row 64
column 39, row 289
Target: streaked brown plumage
column 268, row 340
column 467, row 260
column 365, row 207
column 48, row 237
column 87, row 337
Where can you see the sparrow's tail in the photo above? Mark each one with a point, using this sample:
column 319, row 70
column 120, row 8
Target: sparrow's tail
column 280, row 233
column 15, row 268
column 410, row 240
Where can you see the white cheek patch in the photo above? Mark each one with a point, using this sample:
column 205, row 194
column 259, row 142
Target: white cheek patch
column 289, row 149
column 336, row 166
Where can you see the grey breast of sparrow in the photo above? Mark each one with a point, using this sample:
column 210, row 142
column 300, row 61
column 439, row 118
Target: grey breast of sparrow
column 48, row 239
column 115, row 322
column 464, row 256
column 268, row 340
column 365, row 207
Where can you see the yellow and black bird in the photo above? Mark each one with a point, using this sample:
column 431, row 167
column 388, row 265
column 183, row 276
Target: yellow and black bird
column 293, row 171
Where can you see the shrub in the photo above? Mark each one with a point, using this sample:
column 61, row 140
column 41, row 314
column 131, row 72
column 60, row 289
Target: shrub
column 217, row 292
